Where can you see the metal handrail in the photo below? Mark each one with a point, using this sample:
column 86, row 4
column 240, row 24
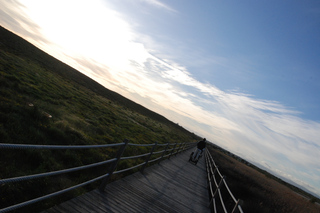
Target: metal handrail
column 113, row 164
column 162, row 144
column 46, row 174
column 210, row 164
column 133, row 157
column 33, row 146
column 156, row 159
column 136, row 144
column 127, row 169
column 11, row 208
column 159, row 152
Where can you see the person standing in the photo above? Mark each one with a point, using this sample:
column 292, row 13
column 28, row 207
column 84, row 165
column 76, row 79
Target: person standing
column 201, row 145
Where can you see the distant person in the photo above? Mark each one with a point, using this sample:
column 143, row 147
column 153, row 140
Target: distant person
column 201, row 145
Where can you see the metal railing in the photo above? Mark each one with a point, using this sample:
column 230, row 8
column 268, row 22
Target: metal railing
column 166, row 151
column 216, row 184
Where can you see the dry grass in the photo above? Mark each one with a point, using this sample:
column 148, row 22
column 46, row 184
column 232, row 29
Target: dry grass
column 259, row 192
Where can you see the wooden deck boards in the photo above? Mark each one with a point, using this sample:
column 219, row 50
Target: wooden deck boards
column 173, row 186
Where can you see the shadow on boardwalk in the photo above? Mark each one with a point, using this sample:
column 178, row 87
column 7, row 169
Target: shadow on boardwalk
column 173, row 186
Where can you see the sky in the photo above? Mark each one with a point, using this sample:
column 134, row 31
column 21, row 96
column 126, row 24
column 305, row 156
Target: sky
column 244, row 74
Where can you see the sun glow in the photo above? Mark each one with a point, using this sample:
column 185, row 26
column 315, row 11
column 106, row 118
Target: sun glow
column 87, row 29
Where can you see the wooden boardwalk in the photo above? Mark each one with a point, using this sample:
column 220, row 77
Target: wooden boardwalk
column 175, row 185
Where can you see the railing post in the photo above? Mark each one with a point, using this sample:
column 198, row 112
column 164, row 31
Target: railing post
column 189, row 146
column 113, row 165
column 218, row 188
column 235, row 206
column 178, row 149
column 165, row 150
column 184, row 146
column 172, row 150
column 148, row 158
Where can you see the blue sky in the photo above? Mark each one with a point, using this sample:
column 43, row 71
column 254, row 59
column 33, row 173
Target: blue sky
column 243, row 74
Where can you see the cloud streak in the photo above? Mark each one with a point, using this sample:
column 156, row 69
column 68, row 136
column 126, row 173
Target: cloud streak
column 159, row 4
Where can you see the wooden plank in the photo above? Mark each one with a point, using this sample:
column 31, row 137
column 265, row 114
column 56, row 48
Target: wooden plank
column 102, row 203
column 96, row 204
column 178, row 192
column 180, row 189
column 175, row 185
column 148, row 198
column 135, row 201
column 81, row 208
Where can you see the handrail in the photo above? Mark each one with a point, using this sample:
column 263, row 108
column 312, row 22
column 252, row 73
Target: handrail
column 177, row 148
column 32, row 146
column 46, row 174
column 159, row 152
column 155, row 160
column 133, row 157
column 136, row 144
column 212, row 181
column 11, row 208
column 127, row 169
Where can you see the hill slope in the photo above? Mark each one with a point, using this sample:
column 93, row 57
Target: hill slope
column 19, row 47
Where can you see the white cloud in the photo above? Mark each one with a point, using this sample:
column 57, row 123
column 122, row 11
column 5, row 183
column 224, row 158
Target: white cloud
column 159, row 4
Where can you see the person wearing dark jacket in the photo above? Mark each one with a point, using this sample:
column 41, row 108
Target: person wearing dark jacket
column 201, row 145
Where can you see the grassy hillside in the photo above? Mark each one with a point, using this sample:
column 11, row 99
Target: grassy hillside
column 44, row 101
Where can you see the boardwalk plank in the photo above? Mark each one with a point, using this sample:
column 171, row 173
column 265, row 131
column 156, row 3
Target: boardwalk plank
column 196, row 187
column 55, row 209
column 177, row 191
column 174, row 185
column 125, row 200
column 102, row 203
column 149, row 198
column 85, row 207
column 60, row 208
column 136, row 200
column 73, row 205
column 97, row 205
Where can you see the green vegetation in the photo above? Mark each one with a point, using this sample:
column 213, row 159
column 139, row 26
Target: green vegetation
column 44, row 101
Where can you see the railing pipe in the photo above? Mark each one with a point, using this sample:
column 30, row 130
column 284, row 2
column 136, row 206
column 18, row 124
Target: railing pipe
column 133, row 157
column 151, row 161
column 127, row 169
column 239, row 207
column 221, row 201
column 11, row 208
column 29, row 177
column 227, row 187
column 34, row 146
column 136, row 144
column 159, row 152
